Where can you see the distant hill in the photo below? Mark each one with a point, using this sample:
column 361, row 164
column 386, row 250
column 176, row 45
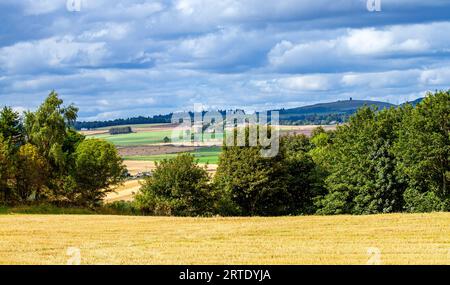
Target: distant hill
column 415, row 102
column 344, row 107
column 326, row 113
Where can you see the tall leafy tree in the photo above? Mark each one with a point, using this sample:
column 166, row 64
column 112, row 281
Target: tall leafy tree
column 423, row 150
column 363, row 178
column 303, row 176
column 47, row 129
column 31, row 173
column 97, row 169
column 254, row 182
column 6, row 171
column 11, row 128
column 279, row 185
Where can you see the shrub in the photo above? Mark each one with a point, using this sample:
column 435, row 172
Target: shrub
column 416, row 202
column 178, row 187
column 120, row 208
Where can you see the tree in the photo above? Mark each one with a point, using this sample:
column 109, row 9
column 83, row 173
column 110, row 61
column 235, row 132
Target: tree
column 252, row 181
column 280, row 185
column 11, row 128
column 423, row 151
column 362, row 166
column 6, row 171
column 177, row 186
column 11, row 137
column 48, row 129
column 303, row 176
column 97, row 168
column 31, row 173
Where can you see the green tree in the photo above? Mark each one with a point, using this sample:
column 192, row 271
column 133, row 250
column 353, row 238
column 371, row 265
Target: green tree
column 6, row 171
column 97, row 168
column 31, row 173
column 177, row 186
column 253, row 182
column 303, row 176
column 361, row 165
column 279, row 185
column 49, row 129
column 423, row 151
column 11, row 128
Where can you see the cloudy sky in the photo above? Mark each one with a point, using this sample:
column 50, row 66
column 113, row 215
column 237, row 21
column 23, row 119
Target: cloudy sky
column 120, row 58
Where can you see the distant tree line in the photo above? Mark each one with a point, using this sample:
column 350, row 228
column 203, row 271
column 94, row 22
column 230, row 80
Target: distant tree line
column 316, row 119
column 392, row 160
column 44, row 159
column 158, row 119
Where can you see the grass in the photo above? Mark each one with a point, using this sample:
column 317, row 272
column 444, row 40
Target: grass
column 44, row 209
column 401, row 238
column 203, row 155
column 134, row 139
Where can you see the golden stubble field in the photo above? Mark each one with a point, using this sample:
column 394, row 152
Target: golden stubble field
column 400, row 238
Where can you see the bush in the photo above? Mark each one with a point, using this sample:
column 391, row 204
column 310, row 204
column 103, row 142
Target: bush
column 177, row 187
column 416, row 202
column 120, row 208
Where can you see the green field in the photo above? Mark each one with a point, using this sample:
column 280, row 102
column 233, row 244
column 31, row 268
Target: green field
column 134, row 139
column 144, row 138
column 203, row 155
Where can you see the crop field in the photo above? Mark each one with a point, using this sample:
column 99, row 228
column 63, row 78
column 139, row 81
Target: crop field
column 203, row 155
column 148, row 134
column 397, row 238
column 138, row 138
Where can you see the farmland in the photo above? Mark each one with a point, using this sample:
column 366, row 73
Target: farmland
column 203, row 155
column 137, row 138
column 401, row 239
column 148, row 135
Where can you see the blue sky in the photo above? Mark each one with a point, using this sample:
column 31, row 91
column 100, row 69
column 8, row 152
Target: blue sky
column 117, row 58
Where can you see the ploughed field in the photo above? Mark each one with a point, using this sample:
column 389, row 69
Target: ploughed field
column 389, row 239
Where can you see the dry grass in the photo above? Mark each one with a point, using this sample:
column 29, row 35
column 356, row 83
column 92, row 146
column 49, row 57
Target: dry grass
column 136, row 166
column 402, row 239
column 124, row 192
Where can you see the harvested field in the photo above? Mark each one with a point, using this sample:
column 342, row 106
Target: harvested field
column 399, row 238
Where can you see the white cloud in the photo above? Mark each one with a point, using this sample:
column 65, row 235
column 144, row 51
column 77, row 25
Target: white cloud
column 305, row 83
column 38, row 7
column 50, row 53
column 361, row 47
column 439, row 76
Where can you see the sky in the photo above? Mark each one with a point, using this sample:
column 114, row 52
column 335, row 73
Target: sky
column 124, row 58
